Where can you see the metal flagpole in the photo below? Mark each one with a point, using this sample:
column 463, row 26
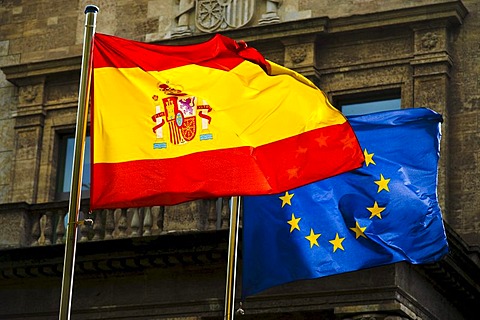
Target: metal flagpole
column 77, row 171
column 232, row 259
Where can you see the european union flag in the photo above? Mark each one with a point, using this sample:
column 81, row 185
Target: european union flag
column 385, row 212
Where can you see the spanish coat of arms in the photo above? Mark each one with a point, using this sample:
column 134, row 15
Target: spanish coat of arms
column 176, row 115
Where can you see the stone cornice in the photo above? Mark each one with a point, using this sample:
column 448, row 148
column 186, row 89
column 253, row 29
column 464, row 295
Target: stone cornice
column 18, row 74
column 450, row 12
column 117, row 256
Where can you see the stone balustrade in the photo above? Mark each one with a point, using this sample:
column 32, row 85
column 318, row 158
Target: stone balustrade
column 23, row 225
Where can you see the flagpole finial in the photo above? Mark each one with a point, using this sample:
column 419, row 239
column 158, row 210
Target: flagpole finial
column 91, row 8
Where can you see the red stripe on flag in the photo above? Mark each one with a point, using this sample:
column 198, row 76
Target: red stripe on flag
column 219, row 52
column 236, row 171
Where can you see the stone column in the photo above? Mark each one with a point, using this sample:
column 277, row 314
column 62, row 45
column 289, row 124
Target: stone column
column 29, row 122
column 431, row 77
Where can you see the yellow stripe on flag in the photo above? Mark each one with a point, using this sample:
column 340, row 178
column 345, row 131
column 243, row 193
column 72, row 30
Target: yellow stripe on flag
column 249, row 108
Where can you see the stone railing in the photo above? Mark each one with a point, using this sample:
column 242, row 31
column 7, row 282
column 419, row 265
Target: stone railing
column 23, row 225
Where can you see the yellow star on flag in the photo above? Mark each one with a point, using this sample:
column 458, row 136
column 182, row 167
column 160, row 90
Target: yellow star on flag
column 382, row 183
column 337, row 243
column 286, row 198
column 368, row 157
column 358, row 230
column 312, row 237
column 294, row 223
column 376, row 210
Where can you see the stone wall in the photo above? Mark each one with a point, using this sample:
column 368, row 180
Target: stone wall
column 7, row 95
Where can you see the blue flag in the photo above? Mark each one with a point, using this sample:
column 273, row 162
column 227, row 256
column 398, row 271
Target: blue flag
column 385, row 212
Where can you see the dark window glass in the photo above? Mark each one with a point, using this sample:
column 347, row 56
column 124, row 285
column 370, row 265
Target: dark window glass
column 67, row 143
column 368, row 102
column 370, row 106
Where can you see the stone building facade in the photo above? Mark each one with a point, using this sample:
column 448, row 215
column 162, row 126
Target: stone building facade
column 170, row 262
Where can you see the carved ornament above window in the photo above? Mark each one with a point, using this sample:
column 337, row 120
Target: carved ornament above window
column 429, row 41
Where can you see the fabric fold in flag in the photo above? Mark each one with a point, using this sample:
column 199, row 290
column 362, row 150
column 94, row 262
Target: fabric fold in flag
column 384, row 212
column 177, row 123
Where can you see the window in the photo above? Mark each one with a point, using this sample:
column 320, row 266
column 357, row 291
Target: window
column 67, row 143
column 369, row 103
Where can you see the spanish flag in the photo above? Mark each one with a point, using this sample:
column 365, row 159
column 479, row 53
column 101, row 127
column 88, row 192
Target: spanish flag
column 171, row 124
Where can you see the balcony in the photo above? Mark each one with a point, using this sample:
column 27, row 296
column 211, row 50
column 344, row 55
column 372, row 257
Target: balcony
column 24, row 225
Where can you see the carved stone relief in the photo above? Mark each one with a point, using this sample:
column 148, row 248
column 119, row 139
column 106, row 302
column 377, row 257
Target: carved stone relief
column 211, row 15
column 429, row 40
column 216, row 15
column 30, row 94
column 298, row 54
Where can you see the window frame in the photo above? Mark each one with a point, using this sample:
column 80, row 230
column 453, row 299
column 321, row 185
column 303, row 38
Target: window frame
column 339, row 101
column 63, row 138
